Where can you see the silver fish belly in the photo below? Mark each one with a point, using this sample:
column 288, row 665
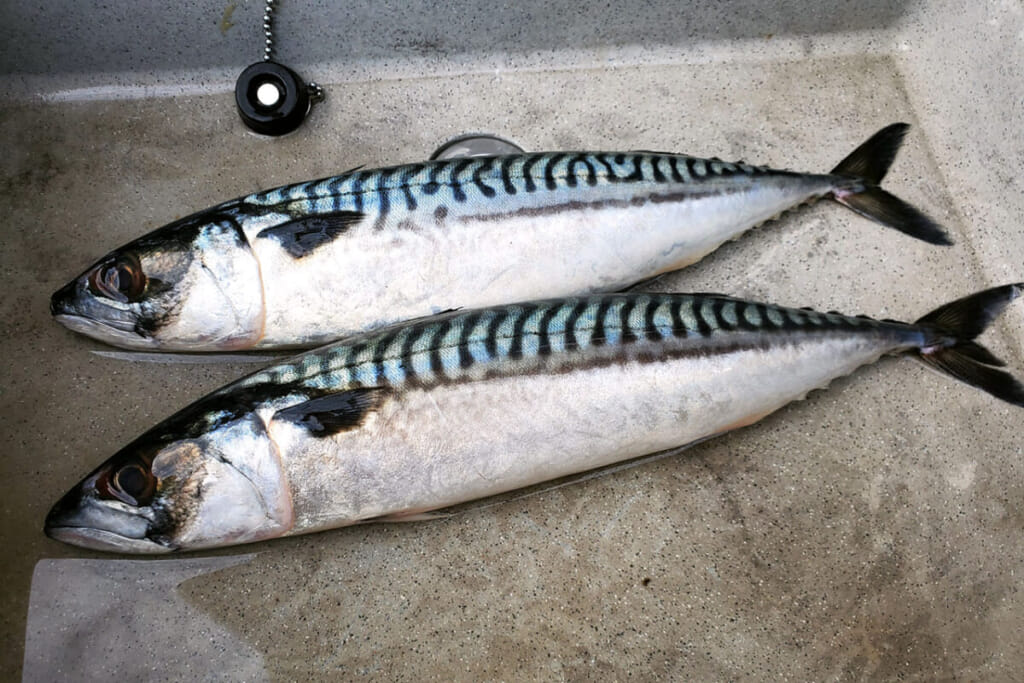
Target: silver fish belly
column 313, row 262
column 433, row 413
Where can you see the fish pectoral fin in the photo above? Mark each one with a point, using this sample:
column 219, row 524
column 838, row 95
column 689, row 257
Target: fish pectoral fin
column 408, row 517
column 328, row 415
column 302, row 236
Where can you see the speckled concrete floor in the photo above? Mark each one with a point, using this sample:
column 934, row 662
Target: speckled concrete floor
column 871, row 531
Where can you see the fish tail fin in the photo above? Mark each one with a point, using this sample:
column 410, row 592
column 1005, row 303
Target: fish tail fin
column 868, row 165
column 952, row 350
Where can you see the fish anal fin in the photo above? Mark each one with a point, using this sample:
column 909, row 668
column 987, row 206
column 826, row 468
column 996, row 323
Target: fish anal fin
column 745, row 421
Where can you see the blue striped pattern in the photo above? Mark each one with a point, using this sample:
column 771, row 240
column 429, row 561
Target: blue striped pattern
column 556, row 334
column 430, row 185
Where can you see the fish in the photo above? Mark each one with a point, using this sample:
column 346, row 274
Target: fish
column 310, row 263
column 418, row 417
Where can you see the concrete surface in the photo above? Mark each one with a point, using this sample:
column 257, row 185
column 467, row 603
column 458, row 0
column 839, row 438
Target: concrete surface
column 98, row 43
column 871, row 531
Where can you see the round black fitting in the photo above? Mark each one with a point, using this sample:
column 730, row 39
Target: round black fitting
column 271, row 98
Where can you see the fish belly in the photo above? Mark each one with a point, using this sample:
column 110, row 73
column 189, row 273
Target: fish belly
column 430, row 448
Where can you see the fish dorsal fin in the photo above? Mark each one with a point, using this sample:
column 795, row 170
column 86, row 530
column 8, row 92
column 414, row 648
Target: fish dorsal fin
column 302, row 236
column 430, row 317
column 328, row 415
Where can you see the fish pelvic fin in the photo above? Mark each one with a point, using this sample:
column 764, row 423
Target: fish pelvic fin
column 868, row 165
column 951, row 349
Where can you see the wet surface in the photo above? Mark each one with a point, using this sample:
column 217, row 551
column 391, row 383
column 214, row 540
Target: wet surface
column 869, row 531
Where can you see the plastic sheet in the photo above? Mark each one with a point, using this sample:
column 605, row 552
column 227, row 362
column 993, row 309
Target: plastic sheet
column 92, row 620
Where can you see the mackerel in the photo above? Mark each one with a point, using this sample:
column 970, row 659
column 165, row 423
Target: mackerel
column 309, row 263
column 429, row 414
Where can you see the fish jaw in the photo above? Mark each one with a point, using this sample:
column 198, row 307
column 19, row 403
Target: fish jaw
column 106, row 541
column 114, row 322
column 80, row 518
column 104, row 331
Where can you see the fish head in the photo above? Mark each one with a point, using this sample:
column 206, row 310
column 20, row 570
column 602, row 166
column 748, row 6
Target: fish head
column 220, row 484
column 189, row 286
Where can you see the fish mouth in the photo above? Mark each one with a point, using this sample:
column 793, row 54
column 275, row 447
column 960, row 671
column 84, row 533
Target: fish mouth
column 107, row 541
column 81, row 520
column 74, row 308
column 117, row 332
column 91, row 326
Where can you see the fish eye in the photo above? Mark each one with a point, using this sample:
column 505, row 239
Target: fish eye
column 133, row 484
column 121, row 279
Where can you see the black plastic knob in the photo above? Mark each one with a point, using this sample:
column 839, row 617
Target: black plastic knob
column 271, row 98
